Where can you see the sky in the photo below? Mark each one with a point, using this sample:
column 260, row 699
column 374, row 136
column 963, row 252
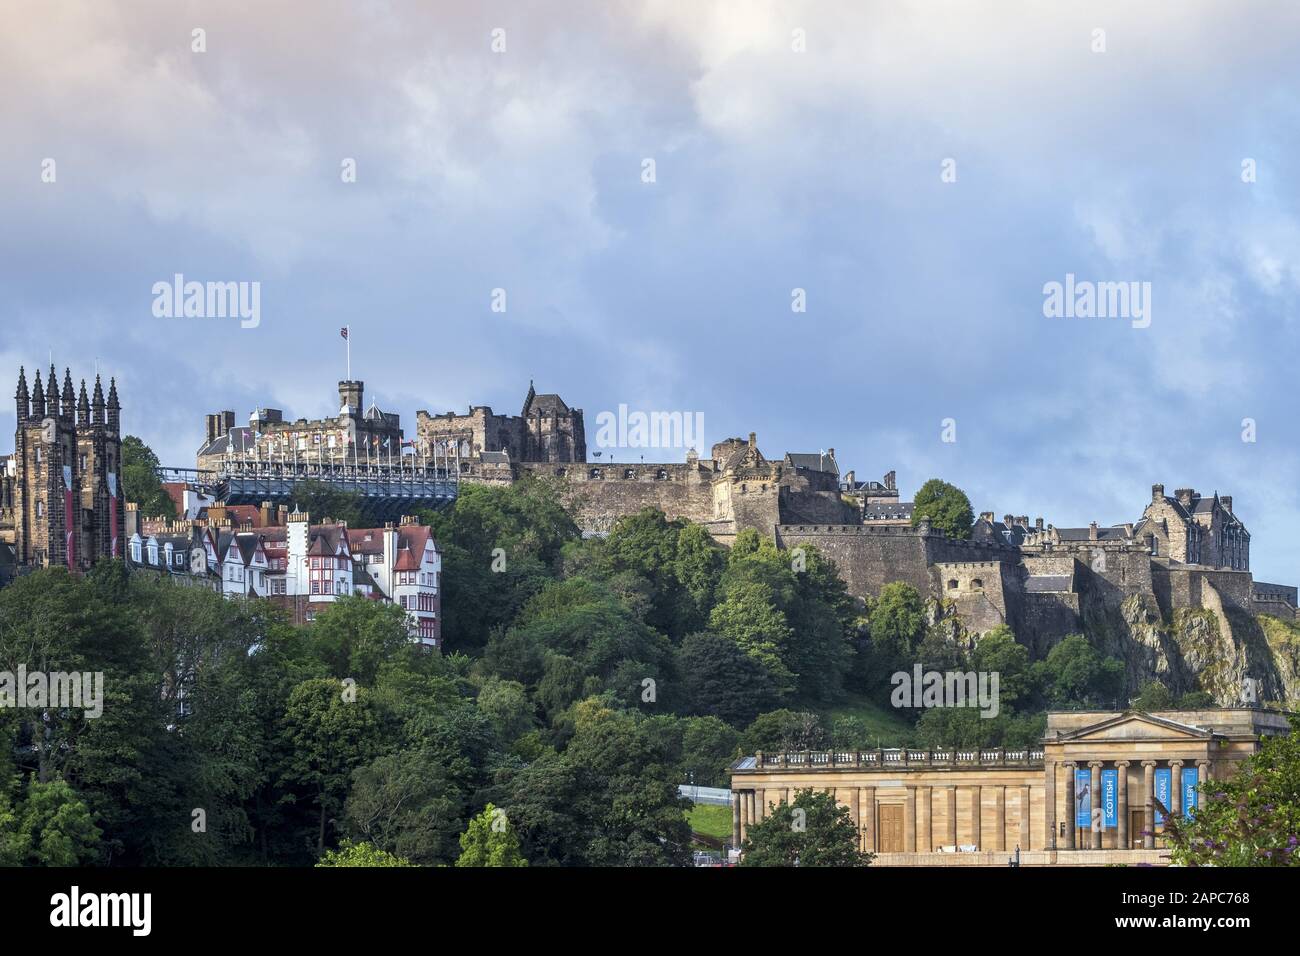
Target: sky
column 920, row 170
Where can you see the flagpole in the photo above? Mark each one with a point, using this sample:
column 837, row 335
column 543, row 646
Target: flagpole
column 348, row 339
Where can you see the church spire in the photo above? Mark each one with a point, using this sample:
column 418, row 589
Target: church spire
column 114, row 409
column 69, row 396
column 21, row 397
column 38, row 398
column 97, row 403
column 83, row 406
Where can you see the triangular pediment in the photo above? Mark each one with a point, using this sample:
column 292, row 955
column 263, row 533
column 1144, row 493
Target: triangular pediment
column 1135, row 726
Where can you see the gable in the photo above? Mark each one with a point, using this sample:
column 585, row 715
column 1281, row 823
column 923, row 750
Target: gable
column 1134, row 726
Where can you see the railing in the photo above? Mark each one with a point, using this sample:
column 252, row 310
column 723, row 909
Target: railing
column 897, row 759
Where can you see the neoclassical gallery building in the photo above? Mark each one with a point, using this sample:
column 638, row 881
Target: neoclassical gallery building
column 1096, row 791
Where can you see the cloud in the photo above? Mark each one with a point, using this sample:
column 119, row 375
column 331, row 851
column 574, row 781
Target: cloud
column 775, row 170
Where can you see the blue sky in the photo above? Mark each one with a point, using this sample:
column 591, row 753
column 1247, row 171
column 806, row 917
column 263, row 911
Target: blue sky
column 775, row 170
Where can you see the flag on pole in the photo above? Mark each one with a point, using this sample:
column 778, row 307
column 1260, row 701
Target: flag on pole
column 344, row 331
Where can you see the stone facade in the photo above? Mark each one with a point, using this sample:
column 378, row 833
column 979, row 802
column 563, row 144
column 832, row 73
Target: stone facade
column 354, row 432
column 61, row 499
column 546, row 430
column 983, row 806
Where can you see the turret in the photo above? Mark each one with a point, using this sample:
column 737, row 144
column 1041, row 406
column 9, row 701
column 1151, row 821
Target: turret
column 38, row 398
column 21, row 398
column 52, row 394
column 97, row 403
column 83, row 407
column 114, row 409
column 69, row 400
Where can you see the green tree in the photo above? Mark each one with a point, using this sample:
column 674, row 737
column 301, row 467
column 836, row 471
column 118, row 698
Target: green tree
column 329, row 730
column 813, row 831
column 720, row 680
column 326, row 502
column 489, row 840
column 355, row 635
column 1153, row 696
column 947, row 507
column 140, row 481
column 360, row 854
column 784, row 730
column 897, row 622
column 51, row 827
column 1075, row 676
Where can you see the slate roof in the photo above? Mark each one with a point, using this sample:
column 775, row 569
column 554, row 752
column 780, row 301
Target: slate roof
column 240, row 439
column 883, row 511
column 813, row 461
column 1085, row 534
column 1048, row 583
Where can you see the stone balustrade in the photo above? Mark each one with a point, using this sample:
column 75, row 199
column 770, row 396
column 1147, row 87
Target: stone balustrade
column 896, row 759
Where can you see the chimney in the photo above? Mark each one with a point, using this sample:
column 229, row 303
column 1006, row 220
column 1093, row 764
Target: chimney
column 986, row 516
column 1008, row 520
column 1185, row 496
column 1157, row 493
column 1038, row 524
column 1092, row 531
column 890, row 479
column 1226, row 501
column 1023, row 521
column 830, row 452
column 753, row 439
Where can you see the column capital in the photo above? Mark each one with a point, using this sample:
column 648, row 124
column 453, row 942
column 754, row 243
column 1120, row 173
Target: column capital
column 1069, row 764
column 1149, row 763
column 1177, row 762
column 1122, row 764
column 1096, row 763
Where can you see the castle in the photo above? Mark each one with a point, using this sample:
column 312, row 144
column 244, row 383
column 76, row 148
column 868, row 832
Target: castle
column 60, row 496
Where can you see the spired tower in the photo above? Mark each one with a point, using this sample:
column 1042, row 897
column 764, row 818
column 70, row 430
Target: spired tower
column 67, row 495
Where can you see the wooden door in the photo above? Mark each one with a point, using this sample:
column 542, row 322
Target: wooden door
column 891, row 828
column 1137, row 822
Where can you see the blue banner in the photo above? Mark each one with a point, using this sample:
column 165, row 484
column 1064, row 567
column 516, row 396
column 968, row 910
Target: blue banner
column 1083, row 798
column 1109, row 799
column 1190, row 780
column 1164, row 786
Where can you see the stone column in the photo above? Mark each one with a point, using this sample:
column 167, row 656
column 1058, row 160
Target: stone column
column 1202, row 776
column 976, row 822
column 950, row 831
column 1175, row 788
column 760, row 806
column 1049, row 804
column 924, row 819
column 744, row 814
column 735, row 818
column 867, row 817
column 999, row 841
column 1122, row 840
column 1025, row 840
column 1071, row 810
column 1149, row 802
column 1094, row 818
column 909, row 821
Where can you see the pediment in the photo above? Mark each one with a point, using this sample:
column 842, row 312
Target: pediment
column 1133, row 726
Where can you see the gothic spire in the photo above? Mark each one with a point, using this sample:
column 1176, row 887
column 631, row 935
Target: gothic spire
column 97, row 402
column 69, row 400
column 38, row 398
column 21, row 396
column 114, row 418
column 83, row 406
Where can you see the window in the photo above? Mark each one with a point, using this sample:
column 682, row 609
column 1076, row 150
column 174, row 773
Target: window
column 952, row 584
column 40, row 509
column 977, row 583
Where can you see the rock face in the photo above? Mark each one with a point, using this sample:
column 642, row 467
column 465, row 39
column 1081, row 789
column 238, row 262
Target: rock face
column 1229, row 653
